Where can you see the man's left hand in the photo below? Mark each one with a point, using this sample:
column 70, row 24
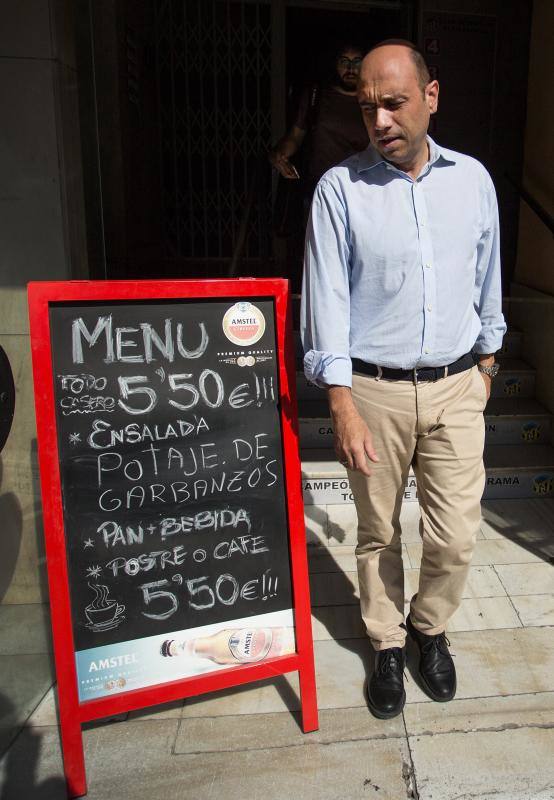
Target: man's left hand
column 488, row 383
column 486, row 361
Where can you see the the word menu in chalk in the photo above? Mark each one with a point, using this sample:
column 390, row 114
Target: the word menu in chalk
column 173, row 495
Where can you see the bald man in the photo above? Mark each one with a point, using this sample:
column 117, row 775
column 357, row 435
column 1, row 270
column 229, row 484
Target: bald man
column 401, row 317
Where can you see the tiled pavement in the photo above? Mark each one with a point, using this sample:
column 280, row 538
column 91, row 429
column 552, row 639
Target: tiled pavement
column 494, row 741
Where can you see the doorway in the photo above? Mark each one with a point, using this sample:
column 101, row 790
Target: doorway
column 181, row 99
column 178, row 95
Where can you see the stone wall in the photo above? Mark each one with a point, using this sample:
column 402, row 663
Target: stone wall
column 532, row 296
column 535, row 261
column 42, row 230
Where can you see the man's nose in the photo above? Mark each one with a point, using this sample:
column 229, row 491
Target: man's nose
column 382, row 119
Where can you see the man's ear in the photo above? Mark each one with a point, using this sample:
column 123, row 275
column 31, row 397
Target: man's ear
column 432, row 96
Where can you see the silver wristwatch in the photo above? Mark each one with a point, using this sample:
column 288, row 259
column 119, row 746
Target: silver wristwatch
column 491, row 371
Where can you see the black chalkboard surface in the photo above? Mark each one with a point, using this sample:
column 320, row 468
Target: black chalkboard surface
column 173, row 495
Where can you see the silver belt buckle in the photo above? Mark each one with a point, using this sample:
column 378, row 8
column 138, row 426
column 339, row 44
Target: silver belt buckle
column 415, row 381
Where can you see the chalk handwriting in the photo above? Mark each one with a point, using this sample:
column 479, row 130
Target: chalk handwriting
column 188, row 461
column 76, row 384
column 165, row 469
column 179, row 492
column 204, row 592
column 103, row 435
column 161, row 559
column 129, row 341
column 187, row 392
column 86, row 404
column 211, row 521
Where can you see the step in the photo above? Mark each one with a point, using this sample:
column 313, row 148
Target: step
column 510, row 420
column 513, row 471
column 516, row 379
column 517, row 420
column 511, row 347
column 518, row 471
column 332, row 531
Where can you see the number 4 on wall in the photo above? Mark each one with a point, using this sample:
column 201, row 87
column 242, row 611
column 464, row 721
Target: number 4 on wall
column 432, row 46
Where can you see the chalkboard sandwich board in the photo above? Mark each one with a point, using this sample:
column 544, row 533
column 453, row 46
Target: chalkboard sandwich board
column 168, row 449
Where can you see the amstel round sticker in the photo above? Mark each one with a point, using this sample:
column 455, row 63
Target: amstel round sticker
column 243, row 324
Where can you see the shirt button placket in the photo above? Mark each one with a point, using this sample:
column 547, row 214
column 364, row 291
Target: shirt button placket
column 429, row 278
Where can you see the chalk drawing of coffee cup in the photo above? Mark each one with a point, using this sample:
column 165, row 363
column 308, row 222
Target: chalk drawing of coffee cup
column 103, row 613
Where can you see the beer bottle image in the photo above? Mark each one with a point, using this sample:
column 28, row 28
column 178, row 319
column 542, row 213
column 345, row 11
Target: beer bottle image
column 234, row 645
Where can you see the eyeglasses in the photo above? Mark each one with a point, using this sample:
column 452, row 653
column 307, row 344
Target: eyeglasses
column 344, row 62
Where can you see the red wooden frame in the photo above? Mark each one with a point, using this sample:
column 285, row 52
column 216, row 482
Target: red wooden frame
column 72, row 712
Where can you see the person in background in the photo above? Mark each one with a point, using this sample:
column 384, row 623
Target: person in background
column 327, row 128
column 328, row 125
column 401, row 317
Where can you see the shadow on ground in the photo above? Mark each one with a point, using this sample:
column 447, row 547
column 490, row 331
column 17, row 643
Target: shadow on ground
column 19, row 766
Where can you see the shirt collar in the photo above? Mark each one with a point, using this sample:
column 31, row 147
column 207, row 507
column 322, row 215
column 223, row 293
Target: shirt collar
column 371, row 158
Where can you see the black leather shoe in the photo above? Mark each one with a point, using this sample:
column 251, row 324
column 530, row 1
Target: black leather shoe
column 385, row 688
column 436, row 667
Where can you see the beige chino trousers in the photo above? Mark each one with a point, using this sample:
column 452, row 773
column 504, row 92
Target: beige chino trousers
column 438, row 429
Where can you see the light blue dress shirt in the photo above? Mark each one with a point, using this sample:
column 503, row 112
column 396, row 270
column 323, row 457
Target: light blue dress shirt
column 397, row 272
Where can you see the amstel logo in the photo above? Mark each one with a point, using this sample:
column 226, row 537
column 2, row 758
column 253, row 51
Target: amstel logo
column 543, row 484
column 512, row 386
column 531, row 432
column 243, row 324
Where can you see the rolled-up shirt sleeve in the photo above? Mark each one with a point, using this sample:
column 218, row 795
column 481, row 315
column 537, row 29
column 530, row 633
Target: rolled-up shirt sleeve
column 325, row 307
column 488, row 290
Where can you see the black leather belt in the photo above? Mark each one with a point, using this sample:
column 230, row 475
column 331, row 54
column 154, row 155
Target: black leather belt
column 415, row 375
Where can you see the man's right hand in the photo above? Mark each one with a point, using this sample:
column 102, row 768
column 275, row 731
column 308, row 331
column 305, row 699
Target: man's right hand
column 353, row 441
